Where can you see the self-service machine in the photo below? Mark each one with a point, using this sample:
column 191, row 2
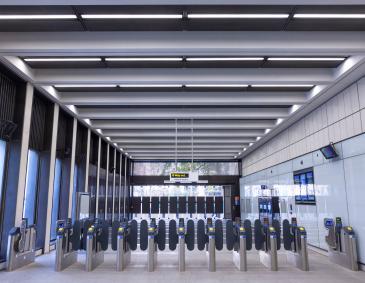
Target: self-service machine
column 21, row 246
column 268, row 242
column 295, row 243
column 341, row 241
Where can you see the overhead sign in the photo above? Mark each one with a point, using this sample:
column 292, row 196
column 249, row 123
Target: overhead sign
column 184, row 177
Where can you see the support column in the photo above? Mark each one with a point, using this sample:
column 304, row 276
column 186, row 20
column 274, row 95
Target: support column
column 120, row 186
column 114, row 175
column 98, row 181
column 86, row 189
column 52, row 165
column 29, row 93
column 72, row 171
column 107, row 182
column 125, row 184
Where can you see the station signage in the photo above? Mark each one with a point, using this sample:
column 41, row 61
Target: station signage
column 184, row 177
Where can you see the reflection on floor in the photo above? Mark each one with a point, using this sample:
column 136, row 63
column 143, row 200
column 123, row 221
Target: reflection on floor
column 196, row 271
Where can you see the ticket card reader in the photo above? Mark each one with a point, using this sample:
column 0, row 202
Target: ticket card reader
column 295, row 242
column 267, row 242
column 21, row 246
column 68, row 242
column 341, row 241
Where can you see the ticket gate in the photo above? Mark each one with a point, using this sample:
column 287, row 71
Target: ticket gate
column 267, row 242
column 124, row 240
column 68, row 242
column 152, row 238
column 295, row 242
column 21, row 246
column 210, row 238
column 96, row 243
column 341, row 241
column 185, row 239
column 239, row 241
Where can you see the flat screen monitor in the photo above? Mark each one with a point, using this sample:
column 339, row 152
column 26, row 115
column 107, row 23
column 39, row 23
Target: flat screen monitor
column 329, row 151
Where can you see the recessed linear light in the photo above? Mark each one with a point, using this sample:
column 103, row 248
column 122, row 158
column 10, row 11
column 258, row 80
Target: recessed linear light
column 329, row 16
column 238, row 16
column 144, row 59
column 216, row 85
column 267, row 131
column 235, row 157
column 151, row 85
column 62, row 59
column 198, row 59
column 132, row 16
column 250, row 144
column 284, row 85
column 84, row 86
column 258, row 138
column 245, row 149
column 306, row 58
column 37, row 17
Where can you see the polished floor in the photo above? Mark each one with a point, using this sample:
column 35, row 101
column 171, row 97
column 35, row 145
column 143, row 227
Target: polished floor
column 196, row 271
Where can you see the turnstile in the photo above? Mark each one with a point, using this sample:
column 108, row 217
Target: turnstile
column 96, row 243
column 341, row 241
column 21, row 246
column 267, row 242
column 295, row 242
column 68, row 242
column 239, row 241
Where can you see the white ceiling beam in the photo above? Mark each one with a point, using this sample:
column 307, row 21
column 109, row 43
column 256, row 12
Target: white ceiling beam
column 187, row 133
column 184, row 98
column 234, row 147
column 180, row 151
column 182, row 43
column 182, row 124
column 184, row 76
column 182, row 113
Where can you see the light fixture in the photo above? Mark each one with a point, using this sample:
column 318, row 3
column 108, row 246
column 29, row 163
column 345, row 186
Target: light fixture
column 143, row 59
column 62, row 59
column 329, row 16
column 150, row 85
column 108, row 138
column 240, row 153
column 279, row 121
column 250, row 144
column 258, row 138
column 238, row 16
column 267, row 131
column 85, row 86
column 37, row 17
column 295, row 108
column 235, row 157
column 72, row 108
column 99, row 131
column 283, row 85
column 306, row 58
column 115, row 144
column 121, row 149
column 87, row 121
column 217, row 85
column 207, row 59
column 131, row 16
column 244, row 149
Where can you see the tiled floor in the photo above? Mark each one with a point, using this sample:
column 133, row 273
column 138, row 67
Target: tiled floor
column 196, row 271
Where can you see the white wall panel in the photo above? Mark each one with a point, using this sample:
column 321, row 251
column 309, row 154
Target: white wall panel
column 354, row 174
column 363, row 120
column 354, row 146
column 361, row 90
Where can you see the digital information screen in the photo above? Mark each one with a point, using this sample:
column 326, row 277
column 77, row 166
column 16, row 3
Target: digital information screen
column 329, row 151
column 304, row 188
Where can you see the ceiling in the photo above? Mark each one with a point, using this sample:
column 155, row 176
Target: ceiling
column 208, row 88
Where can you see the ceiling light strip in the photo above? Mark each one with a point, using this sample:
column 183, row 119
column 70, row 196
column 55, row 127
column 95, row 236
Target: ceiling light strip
column 62, row 59
column 141, row 59
column 132, row 16
column 85, row 86
column 238, row 16
column 217, row 85
column 283, row 85
column 198, row 59
column 306, row 58
column 37, row 17
column 151, row 85
column 329, row 16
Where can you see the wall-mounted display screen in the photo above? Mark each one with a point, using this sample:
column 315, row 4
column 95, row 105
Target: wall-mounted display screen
column 304, row 188
column 329, row 151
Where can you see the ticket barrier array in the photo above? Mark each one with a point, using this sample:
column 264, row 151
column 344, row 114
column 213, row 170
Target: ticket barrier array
column 239, row 241
column 21, row 246
column 68, row 242
column 341, row 241
column 268, row 242
column 295, row 243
